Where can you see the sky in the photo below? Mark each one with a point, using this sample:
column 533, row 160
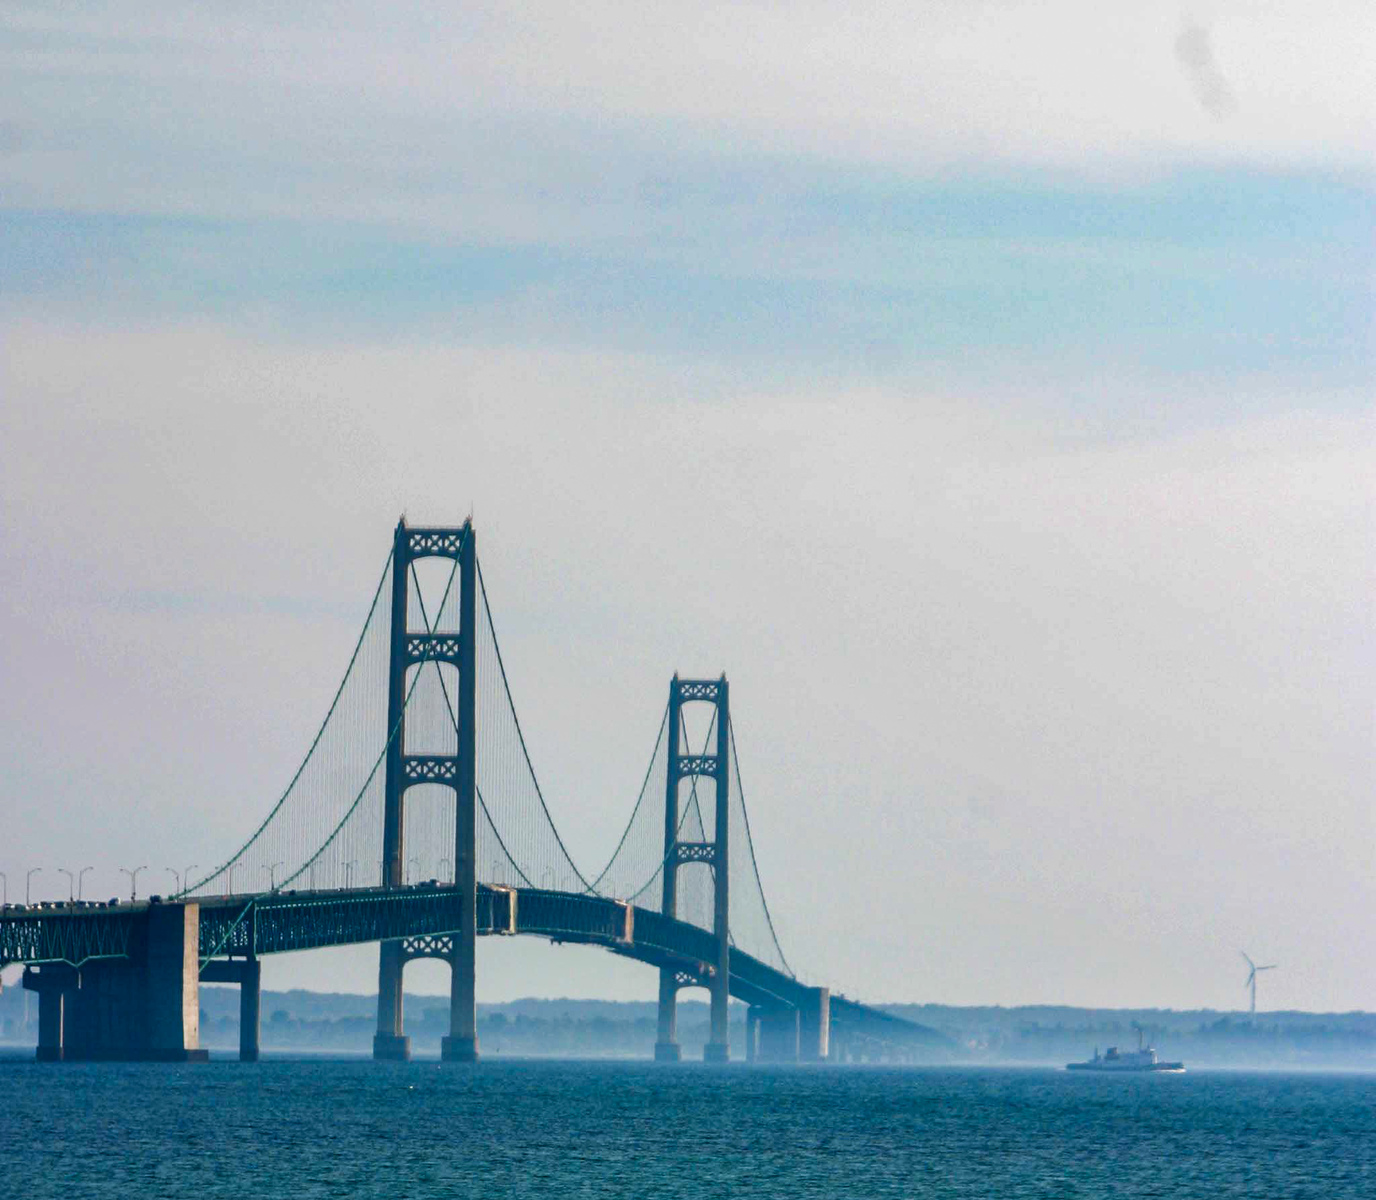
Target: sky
column 985, row 386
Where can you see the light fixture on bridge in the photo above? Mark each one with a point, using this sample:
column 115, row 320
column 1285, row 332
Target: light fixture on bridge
column 133, row 880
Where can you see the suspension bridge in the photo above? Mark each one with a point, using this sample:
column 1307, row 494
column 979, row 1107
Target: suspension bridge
column 416, row 820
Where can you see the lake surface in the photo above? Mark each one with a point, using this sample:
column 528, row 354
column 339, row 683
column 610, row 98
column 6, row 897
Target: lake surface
column 596, row 1129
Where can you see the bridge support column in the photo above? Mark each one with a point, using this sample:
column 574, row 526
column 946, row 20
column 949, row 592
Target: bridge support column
column 53, row 982
column 752, row 1033
column 778, row 1035
column 50, row 1005
column 667, row 1048
column 248, row 974
column 250, row 1011
column 426, row 650
column 461, row 1045
column 390, row 1044
column 143, row 1009
column 718, row 1048
column 814, row 1026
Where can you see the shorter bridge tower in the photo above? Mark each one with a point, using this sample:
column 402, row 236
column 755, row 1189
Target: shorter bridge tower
column 420, row 648
column 715, row 854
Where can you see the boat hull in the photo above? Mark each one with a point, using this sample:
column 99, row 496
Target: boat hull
column 1102, row 1069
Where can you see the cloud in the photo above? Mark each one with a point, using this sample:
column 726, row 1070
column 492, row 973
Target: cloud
column 506, row 118
column 1195, row 52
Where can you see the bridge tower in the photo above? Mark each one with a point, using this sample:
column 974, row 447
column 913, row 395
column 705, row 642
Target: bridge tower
column 458, row 771
column 715, row 853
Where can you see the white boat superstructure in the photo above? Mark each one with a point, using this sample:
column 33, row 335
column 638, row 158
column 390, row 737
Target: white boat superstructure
column 1141, row 1059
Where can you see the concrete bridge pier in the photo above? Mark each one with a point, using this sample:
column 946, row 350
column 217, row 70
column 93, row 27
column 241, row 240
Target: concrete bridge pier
column 145, row 1008
column 54, row 983
column 814, row 1026
column 789, row 1034
column 778, row 1035
column 248, row 974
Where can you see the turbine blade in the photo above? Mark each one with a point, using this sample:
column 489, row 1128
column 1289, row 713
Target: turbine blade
column 1250, row 963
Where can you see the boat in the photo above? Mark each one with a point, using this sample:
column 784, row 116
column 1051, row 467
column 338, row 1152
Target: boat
column 1141, row 1059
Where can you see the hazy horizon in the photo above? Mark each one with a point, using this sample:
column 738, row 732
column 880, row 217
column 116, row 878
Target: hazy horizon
column 985, row 388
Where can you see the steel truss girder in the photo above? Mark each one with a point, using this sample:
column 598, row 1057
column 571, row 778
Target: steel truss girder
column 71, row 937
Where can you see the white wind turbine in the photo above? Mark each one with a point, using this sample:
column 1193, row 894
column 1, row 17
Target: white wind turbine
column 1252, row 977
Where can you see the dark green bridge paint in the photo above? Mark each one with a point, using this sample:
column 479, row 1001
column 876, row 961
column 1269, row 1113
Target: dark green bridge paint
column 234, row 932
column 131, row 974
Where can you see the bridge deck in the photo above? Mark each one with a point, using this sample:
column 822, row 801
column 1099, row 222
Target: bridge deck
column 280, row 922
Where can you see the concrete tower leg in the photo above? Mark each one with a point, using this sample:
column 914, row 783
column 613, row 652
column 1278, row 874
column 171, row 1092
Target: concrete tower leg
column 667, row 1048
column 461, row 1044
column 718, row 1049
column 389, row 1043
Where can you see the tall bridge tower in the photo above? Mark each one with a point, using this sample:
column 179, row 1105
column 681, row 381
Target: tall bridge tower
column 457, row 771
column 715, row 854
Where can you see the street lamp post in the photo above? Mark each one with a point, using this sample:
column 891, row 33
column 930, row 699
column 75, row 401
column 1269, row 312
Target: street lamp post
column 80, row 879
column 443, row 862
column 133, row 880
column 28, row 879
column 177, row 878
column 71, row 883
column 409, row 861
column 349, row 873
column 271, row 869
column 186, row 874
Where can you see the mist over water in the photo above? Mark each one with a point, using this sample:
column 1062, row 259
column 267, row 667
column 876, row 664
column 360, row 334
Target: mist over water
column 363, row 1129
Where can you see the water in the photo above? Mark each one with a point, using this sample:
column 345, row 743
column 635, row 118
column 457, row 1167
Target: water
column 573, row 1129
